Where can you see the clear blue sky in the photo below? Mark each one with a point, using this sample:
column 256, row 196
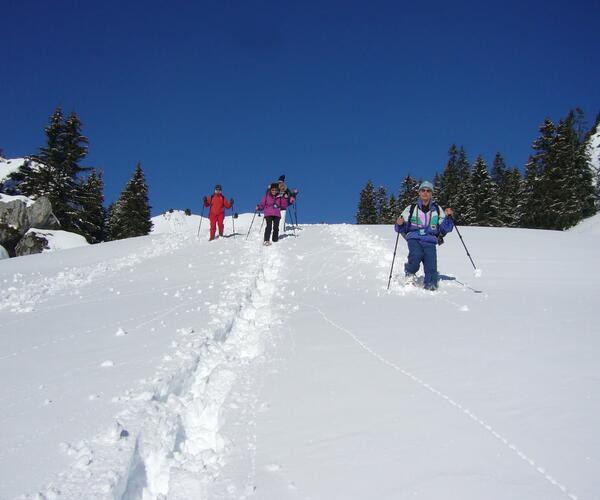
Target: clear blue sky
column 331, row 93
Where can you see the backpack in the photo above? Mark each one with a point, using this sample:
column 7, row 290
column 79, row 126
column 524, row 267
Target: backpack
column 440, row 237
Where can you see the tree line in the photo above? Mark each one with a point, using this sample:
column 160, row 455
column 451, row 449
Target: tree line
column 76, row 191
column 558, row 189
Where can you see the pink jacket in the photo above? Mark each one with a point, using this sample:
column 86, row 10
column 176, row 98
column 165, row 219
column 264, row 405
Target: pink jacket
column 272, row 206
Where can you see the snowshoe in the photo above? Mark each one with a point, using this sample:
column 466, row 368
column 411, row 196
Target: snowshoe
column 410, row 279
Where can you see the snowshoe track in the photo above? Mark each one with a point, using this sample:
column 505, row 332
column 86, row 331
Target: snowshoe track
column 168, row 442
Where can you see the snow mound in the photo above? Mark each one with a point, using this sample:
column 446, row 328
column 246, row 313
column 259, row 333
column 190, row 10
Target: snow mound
column 591, row 225
column 60, row 240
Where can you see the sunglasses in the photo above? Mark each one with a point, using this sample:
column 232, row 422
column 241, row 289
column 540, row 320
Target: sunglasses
column 427, row 190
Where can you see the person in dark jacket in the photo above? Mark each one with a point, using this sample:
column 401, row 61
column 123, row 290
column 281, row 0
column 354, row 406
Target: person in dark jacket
column 291, row 197
column 271, row 204
column 217, row 203
column 422, row 224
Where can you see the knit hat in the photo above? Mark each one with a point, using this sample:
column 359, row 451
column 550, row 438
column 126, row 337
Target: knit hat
column 281, row 178
column 218, row 187
column 426, row 185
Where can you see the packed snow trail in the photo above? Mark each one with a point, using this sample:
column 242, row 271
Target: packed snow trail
column 232, row 371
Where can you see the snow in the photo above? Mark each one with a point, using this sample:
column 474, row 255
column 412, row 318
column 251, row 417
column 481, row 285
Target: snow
column 171, row 367
column 589, row 226
column 59, row 240
column 5, row 198
column 7, row 166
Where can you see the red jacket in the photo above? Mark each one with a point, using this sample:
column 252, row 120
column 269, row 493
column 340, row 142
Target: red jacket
column 217, row 203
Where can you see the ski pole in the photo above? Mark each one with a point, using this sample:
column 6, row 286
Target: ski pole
column 233, row 221
column 292, row 221
column 249, row 229
column 200, row 225
column 463, row 242
column 296, row 212
column 393, row 259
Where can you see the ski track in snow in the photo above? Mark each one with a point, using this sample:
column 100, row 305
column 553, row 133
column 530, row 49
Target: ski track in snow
column 168, row 440
column 369, row 251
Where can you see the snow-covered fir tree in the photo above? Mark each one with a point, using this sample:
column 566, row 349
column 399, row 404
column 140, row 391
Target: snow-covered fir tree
column 449, row 180
column 54, row 171
column 394, row 209
column 462, row 201
column 536, row 189
column 129, row 216
column 367, row 208
column 484, row 210
column 383, row 206
column 93, row 214
column 572, row 179
column 409, row 192
column 509, row 209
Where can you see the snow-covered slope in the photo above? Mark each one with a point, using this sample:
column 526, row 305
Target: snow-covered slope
column 170, row 367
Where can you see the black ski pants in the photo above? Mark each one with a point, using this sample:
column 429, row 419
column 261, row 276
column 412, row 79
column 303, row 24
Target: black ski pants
column 272, row 223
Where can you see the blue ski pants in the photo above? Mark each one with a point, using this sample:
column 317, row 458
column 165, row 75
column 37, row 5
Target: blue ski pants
column 419, row 252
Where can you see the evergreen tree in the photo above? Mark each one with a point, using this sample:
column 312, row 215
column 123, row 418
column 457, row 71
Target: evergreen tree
column 394, row 210
column 409, row 193
column 130, row 215
column 536, row 189
column 93, row 214
column 449, row 180
column 509, row 212
column 367, row 208
column 500, row 178
column 484, row 210
column 462, row 201
column 54, row 171
column 570, row 178
column 383, row 206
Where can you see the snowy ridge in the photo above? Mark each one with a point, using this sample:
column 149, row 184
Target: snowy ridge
column 169, row 442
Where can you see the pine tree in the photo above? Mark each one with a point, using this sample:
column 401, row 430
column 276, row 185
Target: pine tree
column 509, row 212
column 449, row 180
column 130, row 215
column 570, row 176
column 394, row 210
column 54, row 171
column 383, row 206
column 367, row 209
column 409, row 193
column 485, row 210
column 93, row 214
column 536, row 191
column 500, row 178
column 463, row 199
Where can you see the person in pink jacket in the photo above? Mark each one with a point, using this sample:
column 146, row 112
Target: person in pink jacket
column 271, row 205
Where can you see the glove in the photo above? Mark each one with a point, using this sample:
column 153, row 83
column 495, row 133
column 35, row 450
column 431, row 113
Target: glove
column 295, row 191
column 257, row 208
column 205, row 199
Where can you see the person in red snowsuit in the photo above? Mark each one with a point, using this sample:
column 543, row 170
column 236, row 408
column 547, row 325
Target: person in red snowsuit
column 217, row 203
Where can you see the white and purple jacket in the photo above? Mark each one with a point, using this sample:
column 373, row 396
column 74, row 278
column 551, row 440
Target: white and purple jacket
column 425, row 226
